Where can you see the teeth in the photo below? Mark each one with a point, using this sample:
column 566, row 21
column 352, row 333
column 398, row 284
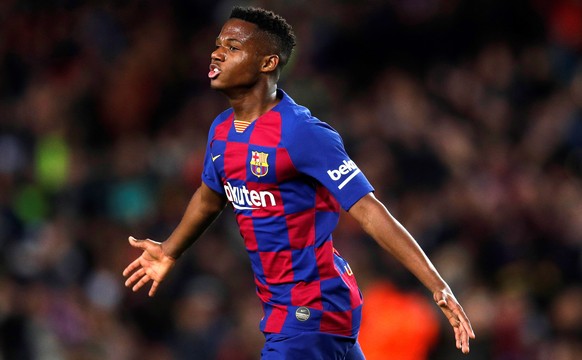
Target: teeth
column 213, row 72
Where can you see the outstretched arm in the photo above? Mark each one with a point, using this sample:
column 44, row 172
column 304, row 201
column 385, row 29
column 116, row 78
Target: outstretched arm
column 157, row 258
column 377, row 221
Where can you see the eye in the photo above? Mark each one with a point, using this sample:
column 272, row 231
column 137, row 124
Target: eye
column 232, row 48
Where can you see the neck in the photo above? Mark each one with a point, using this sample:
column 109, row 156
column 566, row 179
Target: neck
column 249, row 105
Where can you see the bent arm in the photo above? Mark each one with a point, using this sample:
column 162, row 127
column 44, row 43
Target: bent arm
column 203, row 209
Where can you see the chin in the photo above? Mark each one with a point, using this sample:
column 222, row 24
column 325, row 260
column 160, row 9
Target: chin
column 216, row 85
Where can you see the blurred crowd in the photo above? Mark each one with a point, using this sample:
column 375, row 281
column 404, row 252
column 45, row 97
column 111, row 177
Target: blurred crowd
column 465, row 115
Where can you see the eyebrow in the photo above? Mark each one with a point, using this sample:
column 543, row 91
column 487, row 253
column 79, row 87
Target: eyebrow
column 229, row 39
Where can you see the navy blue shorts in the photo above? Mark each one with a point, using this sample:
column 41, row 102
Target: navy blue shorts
column 311, row 346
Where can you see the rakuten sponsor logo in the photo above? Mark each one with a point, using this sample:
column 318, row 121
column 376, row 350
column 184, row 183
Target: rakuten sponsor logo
column 245, row 199
column 347, row 167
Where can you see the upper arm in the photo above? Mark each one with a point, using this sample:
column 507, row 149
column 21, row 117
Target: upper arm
column 214, row 154
column 210, row 200
column 365, row 209
column 317, row 150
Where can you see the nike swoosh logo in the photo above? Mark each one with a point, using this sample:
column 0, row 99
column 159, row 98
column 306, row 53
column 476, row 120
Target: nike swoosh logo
column 216, row 157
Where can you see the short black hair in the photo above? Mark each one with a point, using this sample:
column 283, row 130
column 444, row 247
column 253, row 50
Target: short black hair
column 274, row 25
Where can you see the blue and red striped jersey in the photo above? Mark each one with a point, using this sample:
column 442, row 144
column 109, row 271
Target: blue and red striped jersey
column 286, row 176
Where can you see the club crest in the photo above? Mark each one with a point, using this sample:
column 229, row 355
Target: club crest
column 259, row 165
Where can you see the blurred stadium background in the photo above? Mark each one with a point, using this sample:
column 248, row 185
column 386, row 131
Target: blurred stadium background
column 465, row 115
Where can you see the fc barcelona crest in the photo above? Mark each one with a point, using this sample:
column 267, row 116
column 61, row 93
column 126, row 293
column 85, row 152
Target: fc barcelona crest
column 259, row 165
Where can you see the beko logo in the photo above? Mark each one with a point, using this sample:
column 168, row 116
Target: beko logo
column 345, row 168
column 245, row 199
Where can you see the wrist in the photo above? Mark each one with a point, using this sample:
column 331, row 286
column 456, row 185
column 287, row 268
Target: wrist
column 169, row 252
column 440, row 287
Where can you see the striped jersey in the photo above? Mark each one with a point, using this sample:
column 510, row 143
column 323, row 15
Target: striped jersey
column 286, row 175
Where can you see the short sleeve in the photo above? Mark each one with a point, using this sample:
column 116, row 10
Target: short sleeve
column 317, row 150
column 210, row 175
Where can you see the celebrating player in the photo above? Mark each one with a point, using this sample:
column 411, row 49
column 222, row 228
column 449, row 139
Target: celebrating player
column 286, row 174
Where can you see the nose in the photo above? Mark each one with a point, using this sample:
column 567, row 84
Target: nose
column 218, row 54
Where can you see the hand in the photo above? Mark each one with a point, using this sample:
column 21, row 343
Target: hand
column 152, row 265
column 457, row 318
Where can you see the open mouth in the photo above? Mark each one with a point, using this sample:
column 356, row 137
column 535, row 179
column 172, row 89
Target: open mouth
column 214, row 71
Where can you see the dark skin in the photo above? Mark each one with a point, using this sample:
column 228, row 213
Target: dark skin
column 248, row 74
column 245, row 67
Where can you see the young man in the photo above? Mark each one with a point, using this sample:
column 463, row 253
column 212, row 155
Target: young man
column 286, row 174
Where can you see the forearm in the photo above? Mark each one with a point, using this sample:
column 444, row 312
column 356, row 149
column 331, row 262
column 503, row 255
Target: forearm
column 203, row 209
column 377, row 221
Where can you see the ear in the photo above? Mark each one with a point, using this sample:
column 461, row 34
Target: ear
column 270, row 63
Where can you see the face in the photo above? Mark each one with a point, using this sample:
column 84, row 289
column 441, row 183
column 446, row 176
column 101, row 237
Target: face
column 238, row 60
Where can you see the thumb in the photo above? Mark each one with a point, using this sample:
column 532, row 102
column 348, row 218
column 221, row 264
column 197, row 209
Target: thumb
column 140, row 244
column 440, row 299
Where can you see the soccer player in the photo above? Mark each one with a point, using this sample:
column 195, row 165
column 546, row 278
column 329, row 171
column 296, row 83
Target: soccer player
column 286, row 174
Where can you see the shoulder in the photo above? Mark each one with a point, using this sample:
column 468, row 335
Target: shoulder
column 300, row 124
column 311, row 129
column 221, row 121
column 222, row 117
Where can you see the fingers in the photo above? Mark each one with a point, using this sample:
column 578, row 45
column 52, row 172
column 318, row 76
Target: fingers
column 144, row 279
column 466, row 332
column 154, row 288
column 467, row 326
column 463, row 321
column 138, row 279
column 463, row 340
column 135, row 277
column 458, row 320
column 137, row 274
column 132, row 267
column 458, row 338
column 462, row 334
column 140, row 271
